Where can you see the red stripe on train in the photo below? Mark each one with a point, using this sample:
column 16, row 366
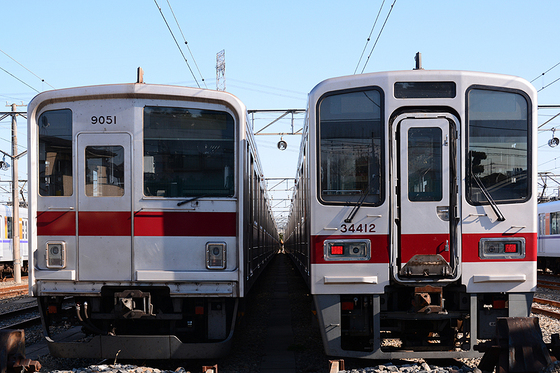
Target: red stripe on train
column 104, row 223
column 159, row 223
column 115, row 223
column 424, row 244
column 56, row 223
column 470, row 247
column 379, row 248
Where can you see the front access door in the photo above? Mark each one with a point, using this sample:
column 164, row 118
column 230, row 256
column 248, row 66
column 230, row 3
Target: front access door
column 426, row 244
column 104, row 207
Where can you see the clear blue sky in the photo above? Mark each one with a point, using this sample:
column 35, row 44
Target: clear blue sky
column 276, row 51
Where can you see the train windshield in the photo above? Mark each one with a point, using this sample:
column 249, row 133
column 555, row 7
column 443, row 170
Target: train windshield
column 351, row 152
column 498, row 143
column 188, row 152
column 55, row 153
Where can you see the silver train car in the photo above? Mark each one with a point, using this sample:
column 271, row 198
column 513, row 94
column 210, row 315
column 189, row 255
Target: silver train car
column 414, row 212
column 548, row 252
column 149, row 209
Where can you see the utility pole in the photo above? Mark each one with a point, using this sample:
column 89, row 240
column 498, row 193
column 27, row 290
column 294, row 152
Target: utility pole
column 15, row 201
column 15, row 190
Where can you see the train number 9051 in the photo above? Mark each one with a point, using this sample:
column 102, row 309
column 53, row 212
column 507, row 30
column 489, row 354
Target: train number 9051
column 104, row 119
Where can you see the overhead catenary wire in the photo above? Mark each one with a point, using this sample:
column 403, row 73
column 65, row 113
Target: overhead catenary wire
column 187, row 44
column 540, row 75
column 379, row 35
column 550, row 160
column 15, row 77
column 176, row 42
column 369, row 37
column 13, row 59
column 548, row 85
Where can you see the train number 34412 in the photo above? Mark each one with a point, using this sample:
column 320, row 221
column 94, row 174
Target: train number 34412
column 363, row 228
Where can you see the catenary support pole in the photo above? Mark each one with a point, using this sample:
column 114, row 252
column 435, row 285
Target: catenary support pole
column 15, row 199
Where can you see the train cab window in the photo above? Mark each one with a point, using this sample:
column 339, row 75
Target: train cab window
column 104, row 171
column 498, row 142
column 55, row 153
column 350, row 147
column 188, row 152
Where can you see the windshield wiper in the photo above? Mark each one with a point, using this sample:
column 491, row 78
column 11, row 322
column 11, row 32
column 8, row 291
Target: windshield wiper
column 488, row 197
column 357, row 206
column 190, row 200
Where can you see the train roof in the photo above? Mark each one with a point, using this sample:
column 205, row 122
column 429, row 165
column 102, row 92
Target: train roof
column 135, row 90
column 459, row 76
column 551, row 206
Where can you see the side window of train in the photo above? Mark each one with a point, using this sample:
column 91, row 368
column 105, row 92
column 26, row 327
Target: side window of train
column 24, row 229
column 55, row 153
column 9, row 227
column 555, row 223
column 188, row 152
column 498, row 142
column 542, row 224
column 351, row 147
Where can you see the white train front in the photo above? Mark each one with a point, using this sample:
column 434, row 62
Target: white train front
column 414, row 213
column 150, row 211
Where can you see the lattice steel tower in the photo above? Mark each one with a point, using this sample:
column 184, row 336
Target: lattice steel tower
column 221, row 70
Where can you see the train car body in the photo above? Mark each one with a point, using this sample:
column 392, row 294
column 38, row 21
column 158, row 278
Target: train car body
column 414, row 212
column 7, row 241
column 548, row 253
column 149, row 209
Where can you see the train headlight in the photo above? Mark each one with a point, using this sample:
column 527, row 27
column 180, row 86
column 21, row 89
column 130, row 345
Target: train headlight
column 56, row 255
column 347, row 249
column 216, row 255
column 502, row 248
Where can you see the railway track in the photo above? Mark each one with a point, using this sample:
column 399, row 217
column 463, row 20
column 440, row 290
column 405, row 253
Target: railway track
column 13, row 290
column 547, row 312
column 546, row 284
column 21, row 318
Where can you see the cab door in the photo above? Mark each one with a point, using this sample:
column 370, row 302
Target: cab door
column 104, row 207
column 426, row 201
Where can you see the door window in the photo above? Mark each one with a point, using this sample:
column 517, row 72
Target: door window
column 424, row 164
column 104, row 171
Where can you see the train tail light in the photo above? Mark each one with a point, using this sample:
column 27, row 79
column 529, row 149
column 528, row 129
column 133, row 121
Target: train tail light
column 56, row 255
column 347, row 306
column 347, row 250
column 337, row 250
column 502, row 248
column 216, row 255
